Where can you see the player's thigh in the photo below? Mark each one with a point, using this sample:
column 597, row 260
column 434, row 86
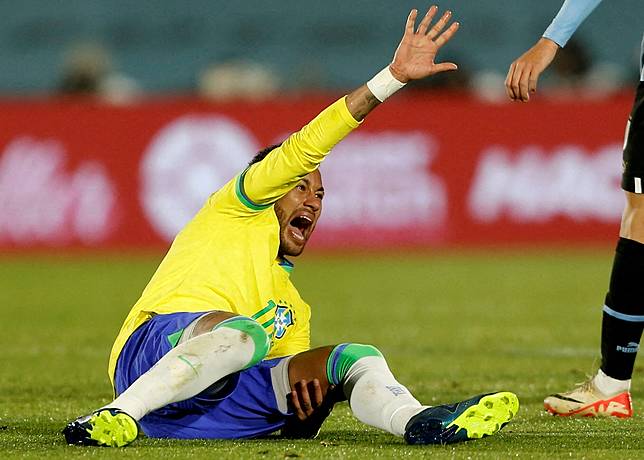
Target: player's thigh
column 633, row 175
column 633, row 153
column 633, row 218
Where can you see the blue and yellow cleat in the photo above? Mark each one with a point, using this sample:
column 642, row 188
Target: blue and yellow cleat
column 474, row 418
column 105, row 427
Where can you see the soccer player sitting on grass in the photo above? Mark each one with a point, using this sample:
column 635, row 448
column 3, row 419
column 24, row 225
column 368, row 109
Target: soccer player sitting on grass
column 218, row 344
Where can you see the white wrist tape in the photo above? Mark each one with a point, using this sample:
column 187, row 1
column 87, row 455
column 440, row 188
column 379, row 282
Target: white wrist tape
column 384, row 84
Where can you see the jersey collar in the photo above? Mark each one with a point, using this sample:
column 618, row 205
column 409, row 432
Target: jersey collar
column 286, row 264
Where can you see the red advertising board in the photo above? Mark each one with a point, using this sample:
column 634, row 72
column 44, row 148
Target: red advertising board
column 424, row 170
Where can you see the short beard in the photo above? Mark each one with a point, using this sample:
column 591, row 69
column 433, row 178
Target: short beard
column 283, row 249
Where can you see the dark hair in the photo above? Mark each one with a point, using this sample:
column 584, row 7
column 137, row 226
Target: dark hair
column 259, row 156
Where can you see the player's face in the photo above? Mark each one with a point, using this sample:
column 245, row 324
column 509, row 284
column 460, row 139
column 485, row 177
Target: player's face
column 298, row 212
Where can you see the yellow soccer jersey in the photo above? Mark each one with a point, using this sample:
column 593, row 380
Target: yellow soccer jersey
column 226, row 258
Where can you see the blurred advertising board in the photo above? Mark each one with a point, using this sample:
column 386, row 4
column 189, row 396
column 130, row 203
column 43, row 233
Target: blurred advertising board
column 423, row 171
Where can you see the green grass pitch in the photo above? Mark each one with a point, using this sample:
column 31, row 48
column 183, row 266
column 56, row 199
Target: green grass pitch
column 451, row 325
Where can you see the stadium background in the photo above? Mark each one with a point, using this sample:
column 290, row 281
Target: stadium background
column 116, row 128
column 490, row 224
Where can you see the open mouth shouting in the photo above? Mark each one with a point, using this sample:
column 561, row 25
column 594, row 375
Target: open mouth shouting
column 300, row 226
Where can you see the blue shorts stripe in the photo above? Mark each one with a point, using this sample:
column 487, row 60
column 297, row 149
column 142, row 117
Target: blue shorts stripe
column 623, row 316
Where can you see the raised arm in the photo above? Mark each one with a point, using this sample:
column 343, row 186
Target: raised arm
column 524, row 72
column 266, row 181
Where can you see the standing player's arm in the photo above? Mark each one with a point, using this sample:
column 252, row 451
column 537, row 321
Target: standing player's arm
column 524, row 72
column 268, row 180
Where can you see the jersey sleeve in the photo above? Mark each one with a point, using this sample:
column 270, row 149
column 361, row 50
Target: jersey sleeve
column 570, row 16
column 263, row 183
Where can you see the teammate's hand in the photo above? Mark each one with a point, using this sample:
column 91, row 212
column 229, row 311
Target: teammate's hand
column 414, row 58
column 310, row 408
column 524, row 72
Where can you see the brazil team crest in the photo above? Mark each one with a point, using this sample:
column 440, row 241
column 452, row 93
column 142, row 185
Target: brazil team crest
column 283, row 319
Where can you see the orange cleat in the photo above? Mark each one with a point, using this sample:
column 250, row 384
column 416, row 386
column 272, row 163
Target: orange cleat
column 587, row 401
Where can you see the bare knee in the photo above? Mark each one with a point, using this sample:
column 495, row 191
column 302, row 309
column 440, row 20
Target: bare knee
column 328, row 364
column 633, row 218
column 207, row 322
column 310, row 365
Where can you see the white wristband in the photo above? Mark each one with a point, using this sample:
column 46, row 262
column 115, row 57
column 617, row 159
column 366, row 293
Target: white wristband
column 384, row 84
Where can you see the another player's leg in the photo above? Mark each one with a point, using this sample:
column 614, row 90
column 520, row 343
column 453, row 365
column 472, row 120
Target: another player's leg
column 378, row 399
column 220, row 344
column 608, row 392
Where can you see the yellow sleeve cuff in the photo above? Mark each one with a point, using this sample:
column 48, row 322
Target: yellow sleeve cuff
column 346, row 115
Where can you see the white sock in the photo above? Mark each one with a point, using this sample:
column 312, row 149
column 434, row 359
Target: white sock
column 609, row 385
column 376, row 398
column 187, row 370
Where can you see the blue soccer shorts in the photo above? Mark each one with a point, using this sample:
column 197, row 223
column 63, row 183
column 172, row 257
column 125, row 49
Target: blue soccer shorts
column 245, row 406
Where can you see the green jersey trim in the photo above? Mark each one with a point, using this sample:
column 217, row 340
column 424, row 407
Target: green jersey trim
column 241, row 194
column 264, row 310
column 268, row 323
column 286, row 264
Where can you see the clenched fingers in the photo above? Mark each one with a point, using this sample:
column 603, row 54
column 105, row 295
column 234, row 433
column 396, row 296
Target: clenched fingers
column 516, row 83
column 509, row 89
column 521, row 81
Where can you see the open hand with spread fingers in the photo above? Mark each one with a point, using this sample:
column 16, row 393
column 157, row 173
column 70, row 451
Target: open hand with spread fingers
column 414, row 58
